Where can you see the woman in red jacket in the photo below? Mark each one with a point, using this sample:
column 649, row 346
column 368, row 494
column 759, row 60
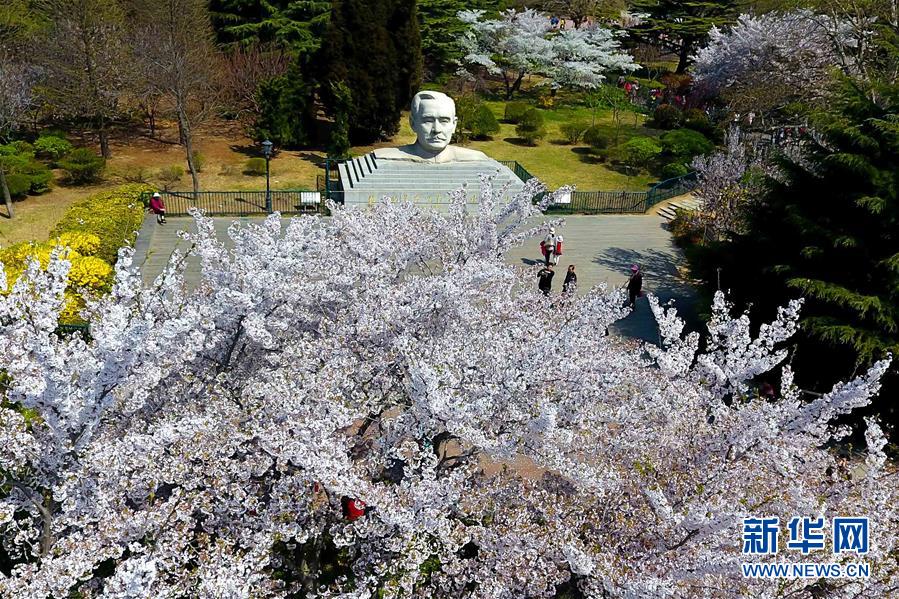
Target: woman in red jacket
column 158, row 206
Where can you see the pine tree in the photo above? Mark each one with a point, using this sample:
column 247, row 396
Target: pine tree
column 681, row 25
column 375, row 48
column 296, row 24
column 828, row 230
column 441, row 28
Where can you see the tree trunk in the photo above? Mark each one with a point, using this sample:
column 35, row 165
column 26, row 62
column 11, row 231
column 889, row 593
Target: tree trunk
column 517, row 85
column 7, row 199
column 104, row 139
column 182, row 136
column 683, row 57
column 184, row 127
column 151, row 119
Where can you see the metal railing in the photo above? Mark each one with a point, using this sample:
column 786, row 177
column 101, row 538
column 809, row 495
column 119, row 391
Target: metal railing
column 516, row 167
column 625, row 202
column 239, row 203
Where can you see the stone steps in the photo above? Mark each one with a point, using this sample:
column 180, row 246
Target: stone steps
column 365, row 179
column 668, row 210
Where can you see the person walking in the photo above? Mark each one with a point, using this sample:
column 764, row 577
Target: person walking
column 551, row 246
column 545, row 282
column 570, row 283
column 634, row 285
column 158, row 207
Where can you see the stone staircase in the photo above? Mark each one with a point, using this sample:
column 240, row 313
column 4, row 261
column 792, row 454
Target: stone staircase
column 364, row 180
column 668, row 208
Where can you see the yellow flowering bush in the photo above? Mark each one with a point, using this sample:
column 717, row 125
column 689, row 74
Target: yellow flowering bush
column 114, row 216
column 90, row 272
column 85, row 244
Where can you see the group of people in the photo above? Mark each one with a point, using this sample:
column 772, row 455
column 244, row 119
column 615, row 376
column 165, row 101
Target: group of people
column 551, row 248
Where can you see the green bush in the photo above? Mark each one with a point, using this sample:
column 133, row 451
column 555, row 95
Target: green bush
column 18, row 185
column 83, row 166
column 638, row 152
column 23, row 147
column 530, row 128
column 37, row 173
column 483, row 123
column 573, row 132
column 171, row 174
column 254, row 166
column 114, row 216
column 683, row 144
column 51, row 147
column 697, row 120
column 199, row 160
column 515, row 111
column 674, row 169
column 596, row 138
column 666, row 116
column 476, row 120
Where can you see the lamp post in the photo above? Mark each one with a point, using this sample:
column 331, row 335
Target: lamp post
column 267, row 152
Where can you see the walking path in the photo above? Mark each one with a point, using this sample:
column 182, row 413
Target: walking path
column 602, row 248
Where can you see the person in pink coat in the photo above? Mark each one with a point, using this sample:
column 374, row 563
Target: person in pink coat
column 158, row 207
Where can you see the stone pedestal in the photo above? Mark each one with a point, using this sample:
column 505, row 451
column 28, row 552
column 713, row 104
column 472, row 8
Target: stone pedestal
column 365, row 180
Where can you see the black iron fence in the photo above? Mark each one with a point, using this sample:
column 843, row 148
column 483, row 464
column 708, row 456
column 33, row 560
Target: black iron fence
column 239, row 203
column 625, row 202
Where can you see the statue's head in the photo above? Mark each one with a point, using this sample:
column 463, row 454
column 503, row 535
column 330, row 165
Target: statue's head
column 433, row 118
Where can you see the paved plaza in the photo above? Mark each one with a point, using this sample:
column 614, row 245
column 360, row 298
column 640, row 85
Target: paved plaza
column 602, row 248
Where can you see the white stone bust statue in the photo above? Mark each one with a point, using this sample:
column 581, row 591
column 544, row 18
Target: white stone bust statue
column 433, row 118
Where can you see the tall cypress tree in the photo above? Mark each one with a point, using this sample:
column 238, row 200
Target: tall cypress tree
column 682, row 25
column 828, row 230
column 375, row 49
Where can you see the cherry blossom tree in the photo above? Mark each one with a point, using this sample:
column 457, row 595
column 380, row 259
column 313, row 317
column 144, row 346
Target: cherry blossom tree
column 318, row 418
column 581, row 57
column 764, row 63
column 725, row 186
column 512, row 46
column 522, row 43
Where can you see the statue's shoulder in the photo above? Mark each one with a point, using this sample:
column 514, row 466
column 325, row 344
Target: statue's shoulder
column 469, row 155
column 400, row 153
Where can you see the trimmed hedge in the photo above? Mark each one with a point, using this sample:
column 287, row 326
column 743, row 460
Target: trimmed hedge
column 114, row 216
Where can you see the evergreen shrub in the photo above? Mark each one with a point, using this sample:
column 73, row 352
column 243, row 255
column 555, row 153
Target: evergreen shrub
column 596, row 138
column 666, row 116
column 515, row 111
column 83, row 166
column 683, row 144
column 531, row 128
column 674, row 169
column 51, row 147
column 573, row 132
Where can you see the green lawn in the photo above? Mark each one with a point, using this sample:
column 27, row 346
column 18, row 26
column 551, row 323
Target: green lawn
column 551, row 160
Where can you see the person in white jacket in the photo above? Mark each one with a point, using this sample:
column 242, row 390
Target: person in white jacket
column 551, row 246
